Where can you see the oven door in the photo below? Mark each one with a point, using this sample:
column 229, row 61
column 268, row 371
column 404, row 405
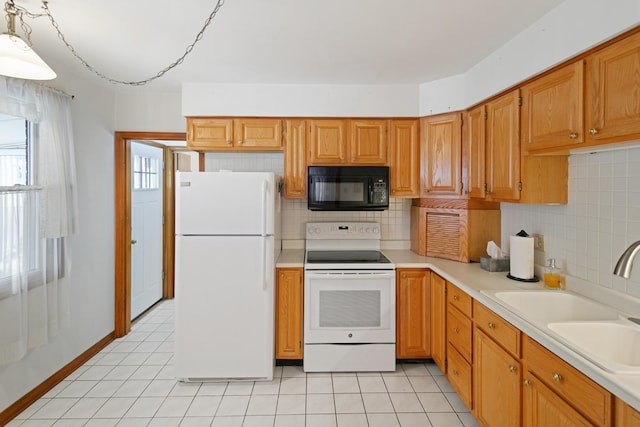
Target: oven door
column 349, row 306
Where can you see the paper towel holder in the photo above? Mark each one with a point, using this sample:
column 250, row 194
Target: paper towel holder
column 533, row 279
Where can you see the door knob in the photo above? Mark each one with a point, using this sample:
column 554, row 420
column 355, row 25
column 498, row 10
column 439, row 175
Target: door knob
column 133, row 242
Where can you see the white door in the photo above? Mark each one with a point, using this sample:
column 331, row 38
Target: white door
column 146, row 227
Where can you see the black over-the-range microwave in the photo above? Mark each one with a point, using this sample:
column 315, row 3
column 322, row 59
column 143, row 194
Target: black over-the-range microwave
column 348, row 188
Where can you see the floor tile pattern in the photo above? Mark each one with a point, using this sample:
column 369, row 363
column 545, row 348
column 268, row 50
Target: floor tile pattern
column 130, row 383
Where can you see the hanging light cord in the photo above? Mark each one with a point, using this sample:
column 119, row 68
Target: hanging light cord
column 45, row 6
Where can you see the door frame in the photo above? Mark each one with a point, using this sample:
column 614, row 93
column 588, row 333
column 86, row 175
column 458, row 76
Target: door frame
column 122, row 238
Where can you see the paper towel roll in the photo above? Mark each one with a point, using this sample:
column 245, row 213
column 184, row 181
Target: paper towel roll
column 521, row 253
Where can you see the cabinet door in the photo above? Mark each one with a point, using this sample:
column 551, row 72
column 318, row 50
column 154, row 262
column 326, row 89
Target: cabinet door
column 368, row 142
column 404, row 170
column 475, row 151
column 209, row 133
column 503, row 147
column 328, row 142
column 441, row 155
column 542, row 407
column 413, row 313
column 438, row 321
column 295, row 159
column 626, row 416
column 552, row 110
column 258, row 134
column 497, row 383
column 612, row 106
column 289, row 303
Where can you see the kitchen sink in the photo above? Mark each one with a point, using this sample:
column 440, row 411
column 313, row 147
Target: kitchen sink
column 614, row 346
column 553, row 306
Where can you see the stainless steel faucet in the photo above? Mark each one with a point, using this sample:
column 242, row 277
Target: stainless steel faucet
column 623, row 266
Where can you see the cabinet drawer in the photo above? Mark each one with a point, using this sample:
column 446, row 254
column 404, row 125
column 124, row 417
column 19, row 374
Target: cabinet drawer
column 459, row 330
column 459, row 375
column 459, row 299
column 587, row 397
column 501, row 331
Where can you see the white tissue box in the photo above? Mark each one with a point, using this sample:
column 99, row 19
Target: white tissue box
column 491, row 264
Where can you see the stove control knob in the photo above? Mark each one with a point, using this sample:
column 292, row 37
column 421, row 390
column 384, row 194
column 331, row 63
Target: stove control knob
column 350, row 335
column 361, row 230
column 368, row 230
column 376, row 230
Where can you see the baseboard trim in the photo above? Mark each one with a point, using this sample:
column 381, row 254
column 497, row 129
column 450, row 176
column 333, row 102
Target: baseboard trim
column 25, row 401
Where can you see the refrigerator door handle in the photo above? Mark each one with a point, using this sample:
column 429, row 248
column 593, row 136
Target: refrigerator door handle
column 264, row 207
column 264, row 264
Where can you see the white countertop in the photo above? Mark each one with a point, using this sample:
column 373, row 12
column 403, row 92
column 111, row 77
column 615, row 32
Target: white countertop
column 472, row 279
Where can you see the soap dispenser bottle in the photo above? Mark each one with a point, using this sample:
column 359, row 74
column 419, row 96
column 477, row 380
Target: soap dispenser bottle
column 553, row 277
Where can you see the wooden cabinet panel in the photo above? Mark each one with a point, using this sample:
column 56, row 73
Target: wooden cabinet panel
column 289, row 307
column 459, row 332
column 368, row 143
column 258, row 133
column 460, row 374
column 582, row 393
column 503, row 147
column 413, row 313
column 404, row 150
column 459, row 299
column 542, row 407
column 626, row 416
column 441, row 155
column 328, row 145
column 207, row 133
column 438, row 321
column 552, row 110
column 612, row 105
column 501, row 331
column 295, row 159
column 496, row 383
column 474, row 149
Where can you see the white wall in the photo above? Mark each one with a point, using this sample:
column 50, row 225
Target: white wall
column 92, row 272
column 145, row 111
column 572, row 27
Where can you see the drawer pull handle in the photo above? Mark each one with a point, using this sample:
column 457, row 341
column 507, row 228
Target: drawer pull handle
column 593, row 131
column 512, row 368
column 557, row 377
column 456, row 298
column 456, row 330
column 491, row 325
column 573, row 135
column 455, row 373
column 526, row 382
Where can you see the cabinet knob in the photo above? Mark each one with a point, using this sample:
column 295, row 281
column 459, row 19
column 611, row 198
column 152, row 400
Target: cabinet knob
column 512, row 368
column 404, row 275
column 353, row 159
column 239, row 142
column 456, row 298
column 456, row 330
column 556, row 377
column 526, row 382
column 573, row 135
column 282, row 275
column 593, row 131
column 341, row 157
column 228, row 142
column 491, row 325
column 455, row 373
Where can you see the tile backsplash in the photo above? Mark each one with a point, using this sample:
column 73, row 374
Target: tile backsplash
column 602, row 218
column 394, row 222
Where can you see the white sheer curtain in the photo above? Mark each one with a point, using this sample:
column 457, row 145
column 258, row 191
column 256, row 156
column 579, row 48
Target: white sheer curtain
column 36, row 222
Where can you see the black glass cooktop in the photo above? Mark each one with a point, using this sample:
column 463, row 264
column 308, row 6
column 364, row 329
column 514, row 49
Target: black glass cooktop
column 344, row 257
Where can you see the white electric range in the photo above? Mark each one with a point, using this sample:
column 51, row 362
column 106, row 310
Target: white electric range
column 349, row 299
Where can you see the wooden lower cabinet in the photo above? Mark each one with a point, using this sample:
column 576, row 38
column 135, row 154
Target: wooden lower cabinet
column 542, row 407
column 497, row 382
column 626, row 416
column 413, row 313
column 459, row 327
column 439, row 321
column 289, row 308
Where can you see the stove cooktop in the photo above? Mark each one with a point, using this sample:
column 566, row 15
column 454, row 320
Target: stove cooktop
column 346, row 257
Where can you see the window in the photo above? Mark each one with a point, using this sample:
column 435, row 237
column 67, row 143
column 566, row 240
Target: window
column 16, row 157
column 146, row 172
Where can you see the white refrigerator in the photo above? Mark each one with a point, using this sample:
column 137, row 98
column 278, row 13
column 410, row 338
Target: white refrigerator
column 227, row 241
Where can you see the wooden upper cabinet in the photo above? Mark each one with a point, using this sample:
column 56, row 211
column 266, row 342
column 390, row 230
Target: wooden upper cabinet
column 552, row 110
column 258, row 134
column 208, row 133
column 250, row 134
column 474, row 151
column 613, row 86
column 295, row 159
column 413, row 313
column 503, row 147
column 368, row 141
column 328, row 144
column 441, row 155
column 404, row 151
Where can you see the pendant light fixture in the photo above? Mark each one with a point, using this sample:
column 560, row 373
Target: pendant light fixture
column 17, row 59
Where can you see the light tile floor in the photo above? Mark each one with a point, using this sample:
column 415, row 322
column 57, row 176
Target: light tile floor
column 130, row 383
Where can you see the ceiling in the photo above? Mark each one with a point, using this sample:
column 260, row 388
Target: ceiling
column 280, row 41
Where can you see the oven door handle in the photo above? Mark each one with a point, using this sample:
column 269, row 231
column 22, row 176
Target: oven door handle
column 348, row 274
